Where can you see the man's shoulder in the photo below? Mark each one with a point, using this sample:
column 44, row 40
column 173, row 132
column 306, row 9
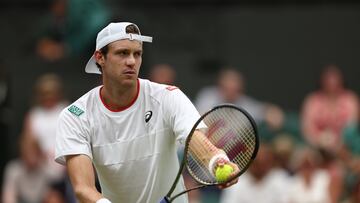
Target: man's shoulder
column 157, row 90
column 152, row 85
column 82, row 104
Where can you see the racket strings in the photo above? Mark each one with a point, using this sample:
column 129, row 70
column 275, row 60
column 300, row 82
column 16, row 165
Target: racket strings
column 243, row 153
column 198, row 159
column 200, row 171
column 231, row 138
column 248, row 143
column 230, row 130
column 230, row 146
column 199, row 166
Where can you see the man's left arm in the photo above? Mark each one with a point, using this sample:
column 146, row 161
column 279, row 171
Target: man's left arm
column 211, row 156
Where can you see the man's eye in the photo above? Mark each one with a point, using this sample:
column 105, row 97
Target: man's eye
column 122, row 53
column 137, row 53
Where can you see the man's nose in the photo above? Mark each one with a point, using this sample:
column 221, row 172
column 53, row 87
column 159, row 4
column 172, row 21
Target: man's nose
column 130, row 60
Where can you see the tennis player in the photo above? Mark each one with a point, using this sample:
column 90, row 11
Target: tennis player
column 127, row 128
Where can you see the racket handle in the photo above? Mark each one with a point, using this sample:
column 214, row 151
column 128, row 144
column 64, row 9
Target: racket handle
column 165, row 200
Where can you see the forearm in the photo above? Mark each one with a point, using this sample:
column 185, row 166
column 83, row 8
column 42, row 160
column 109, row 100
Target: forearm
column 204, row 150
column 82, row 178
column 211, row 156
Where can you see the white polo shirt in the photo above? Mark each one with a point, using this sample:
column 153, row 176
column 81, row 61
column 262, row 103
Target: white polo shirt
column 133, row 150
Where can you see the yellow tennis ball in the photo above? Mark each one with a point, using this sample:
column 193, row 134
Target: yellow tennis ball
column 223, row 172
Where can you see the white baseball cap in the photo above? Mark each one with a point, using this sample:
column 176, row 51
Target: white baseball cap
column 113, row 32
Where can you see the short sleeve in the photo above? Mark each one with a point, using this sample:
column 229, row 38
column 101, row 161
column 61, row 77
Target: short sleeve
column 72, row 136
column 180, row 112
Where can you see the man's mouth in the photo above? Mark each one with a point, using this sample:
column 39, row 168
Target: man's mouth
column 129, row 72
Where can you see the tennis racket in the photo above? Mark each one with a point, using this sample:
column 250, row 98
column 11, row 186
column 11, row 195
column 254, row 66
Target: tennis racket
column 224, row 128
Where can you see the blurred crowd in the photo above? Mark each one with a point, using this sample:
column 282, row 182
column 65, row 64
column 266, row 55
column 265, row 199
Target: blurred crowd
column 308, row 155
column 305, row 157
column 34, row 176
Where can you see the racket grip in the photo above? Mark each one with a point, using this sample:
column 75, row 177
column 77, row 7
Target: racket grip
column 165, row 200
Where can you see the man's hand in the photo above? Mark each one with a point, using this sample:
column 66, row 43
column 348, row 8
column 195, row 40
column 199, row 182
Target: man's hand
column 236, row 170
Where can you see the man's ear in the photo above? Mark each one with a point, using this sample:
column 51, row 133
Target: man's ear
column 100, row 58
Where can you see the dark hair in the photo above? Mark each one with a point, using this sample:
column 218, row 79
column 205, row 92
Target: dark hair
column 129, row 29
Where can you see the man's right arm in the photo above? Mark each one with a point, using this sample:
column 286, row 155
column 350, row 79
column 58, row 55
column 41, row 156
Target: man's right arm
column 81, row 172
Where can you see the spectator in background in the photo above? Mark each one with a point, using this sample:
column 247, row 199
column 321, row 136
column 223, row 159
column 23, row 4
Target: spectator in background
column 26, row 179
column 328, row 110
column 41, row 120
column 163, row 73
column 278, row 122
column 262, row 183
column 310, row 184
column 283, row 149
column 325, row 114
column 230, row 89
column 70, row 28
column 55, row 194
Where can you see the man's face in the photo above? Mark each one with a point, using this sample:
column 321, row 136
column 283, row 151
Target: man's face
column 122, row 62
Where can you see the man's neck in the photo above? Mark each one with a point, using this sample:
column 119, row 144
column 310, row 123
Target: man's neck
column 117, row 98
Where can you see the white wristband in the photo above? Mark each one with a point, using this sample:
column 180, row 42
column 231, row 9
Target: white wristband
column 103, row 200
column 214, row 159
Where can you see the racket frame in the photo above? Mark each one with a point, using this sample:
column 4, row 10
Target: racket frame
column 168, row 197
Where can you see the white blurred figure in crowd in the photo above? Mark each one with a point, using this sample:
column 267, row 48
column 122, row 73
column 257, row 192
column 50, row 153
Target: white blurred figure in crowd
column 41, row 120
column 26, row 178
column 230, row 88
column 311, row 184
column 262, row 183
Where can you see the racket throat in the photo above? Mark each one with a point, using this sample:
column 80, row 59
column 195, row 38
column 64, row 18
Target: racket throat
column 165, row 200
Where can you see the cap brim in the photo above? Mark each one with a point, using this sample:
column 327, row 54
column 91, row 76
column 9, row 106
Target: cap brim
column 91, row 66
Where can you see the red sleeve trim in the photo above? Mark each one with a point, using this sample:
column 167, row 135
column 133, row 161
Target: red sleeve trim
column 171, row 88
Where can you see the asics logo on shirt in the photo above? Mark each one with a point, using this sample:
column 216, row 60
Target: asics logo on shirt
column 148, row 116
